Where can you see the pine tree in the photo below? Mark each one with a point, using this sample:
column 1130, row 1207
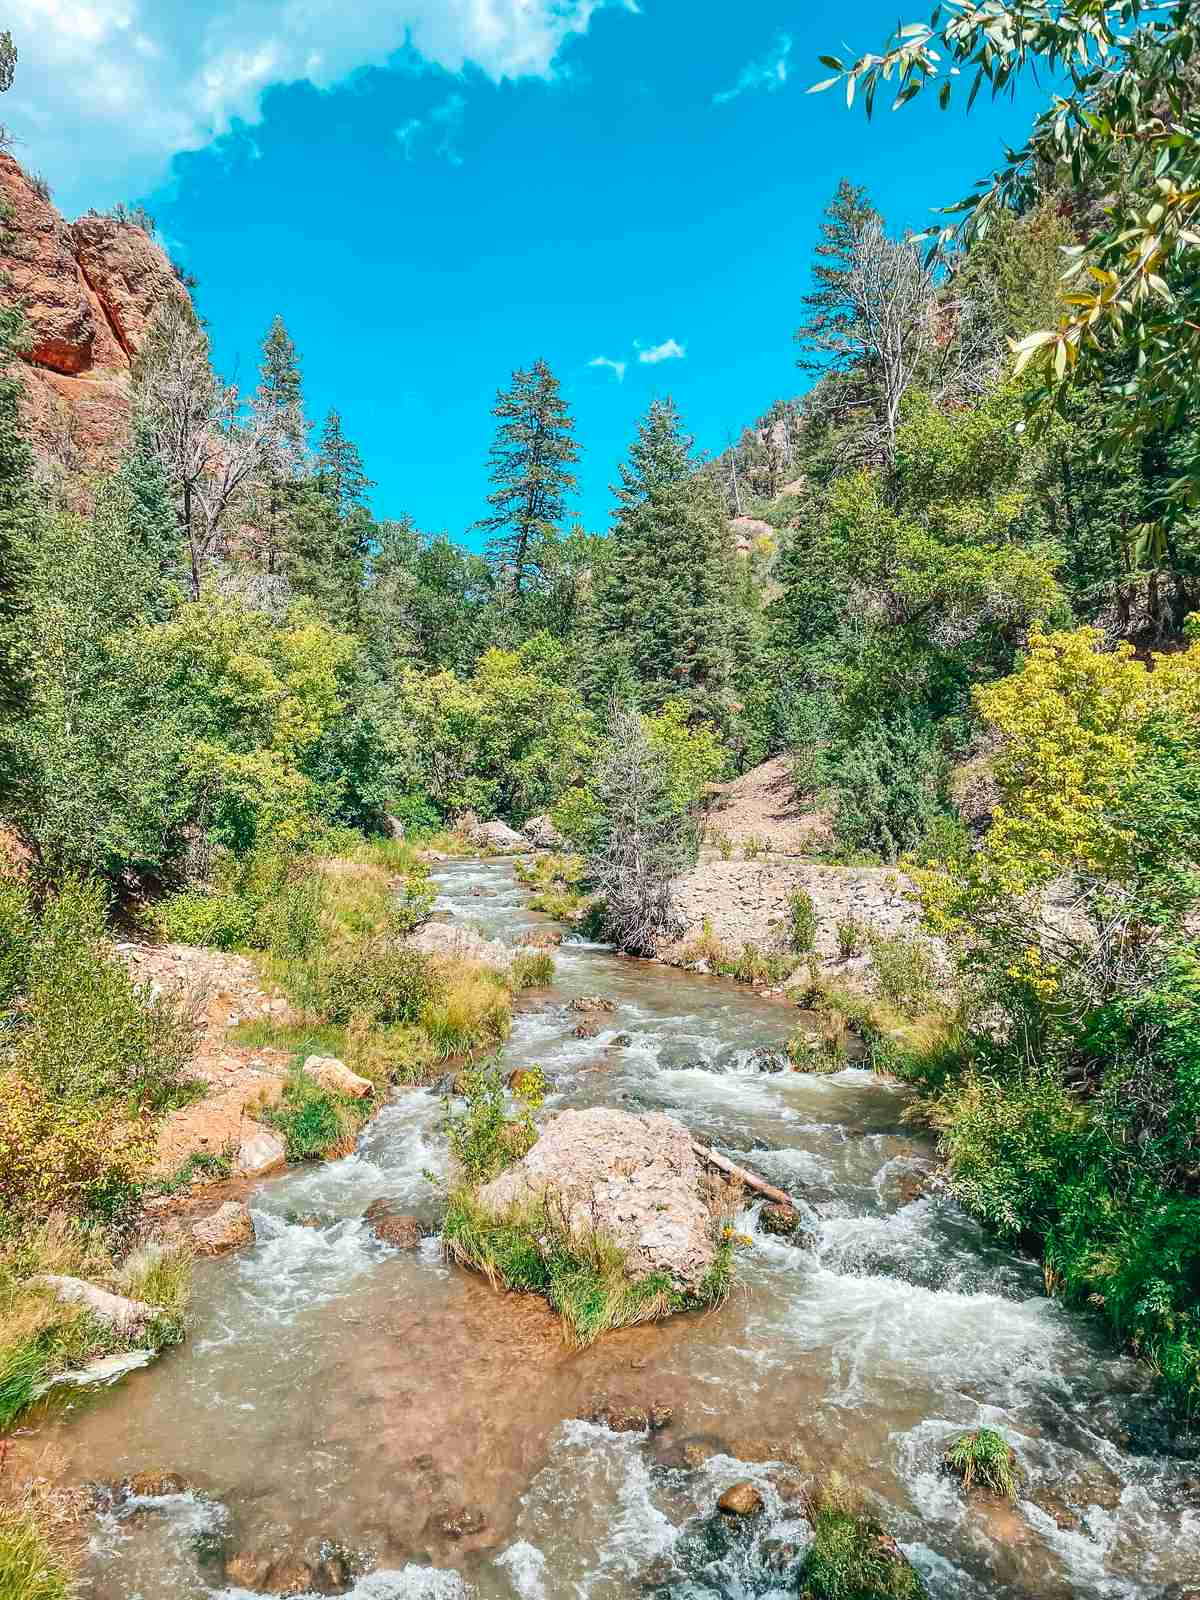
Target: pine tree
column 153, row 522
column 281, row 385
column 340, row 469
column 529, row 464
column 661, row 617
column 828, row 323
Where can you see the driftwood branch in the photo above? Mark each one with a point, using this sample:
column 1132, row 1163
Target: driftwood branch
column 750, row 1179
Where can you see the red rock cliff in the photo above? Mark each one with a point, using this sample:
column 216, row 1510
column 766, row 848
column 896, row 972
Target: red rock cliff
column 88, row 290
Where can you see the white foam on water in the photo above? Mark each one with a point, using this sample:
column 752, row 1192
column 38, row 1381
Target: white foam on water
column 411, row 1582
column 526, row 1566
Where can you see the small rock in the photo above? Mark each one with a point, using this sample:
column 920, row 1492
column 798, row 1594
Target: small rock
column 585, row 1030
column 458, row 1522
column 247, row 1569
column 741, row 1500
column 624, row 1415
column 543, row 939
column 769, row 1060
column 778, row 1219
column 260, row 1153
column 336, row 1076
column 592, row 1002
column 393, row 1227
column 228, row 1228
column 622, row 1038
column 151, row 1485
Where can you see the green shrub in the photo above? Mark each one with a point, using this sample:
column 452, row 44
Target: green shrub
column 482, row 1139
column 851, row 937
column 888, row 785
column 905, row 970
column 372, row 978
column 17, row 932
column 722, row 843
column 85, row 1033
column 193, row 916
column 851, row 1557
column 532, row 971
column 316, row 1123
column 983, row 1457
column 802, row 921
column 753, row 846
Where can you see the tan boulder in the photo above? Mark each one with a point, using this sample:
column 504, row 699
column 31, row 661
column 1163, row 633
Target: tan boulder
column 229, row 1227
column 129, row 1319
column 636, row 1179
column 741, row 1500
column 260, row 1152
column 336, row 1076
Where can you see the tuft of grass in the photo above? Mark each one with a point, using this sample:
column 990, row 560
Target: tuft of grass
column 851, row 1557
column 753, row 846
column 583, row 1274
column 851, row 938
column 471, row 1013
column 983, row 1457
column 555, row 881
column 40, row 1336
column 533, row 970
column 721, row 843
column 33, row 1566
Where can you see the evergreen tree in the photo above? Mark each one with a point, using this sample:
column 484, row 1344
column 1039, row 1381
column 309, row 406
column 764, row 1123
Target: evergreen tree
column 828, row 326
column 662, row 615
column 280, row 384
column 340, row 471
column 152, row 519
column 529, row 465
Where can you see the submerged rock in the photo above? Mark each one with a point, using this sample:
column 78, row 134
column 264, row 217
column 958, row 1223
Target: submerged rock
column 635, row 1179
column 152, row 1485
column 623, row 1415
column 397, row 1228
column 587, row 1029
column 229, row 1227
column 542, row 939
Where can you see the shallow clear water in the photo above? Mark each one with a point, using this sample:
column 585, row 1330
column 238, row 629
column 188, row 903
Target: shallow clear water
column 337, row 1394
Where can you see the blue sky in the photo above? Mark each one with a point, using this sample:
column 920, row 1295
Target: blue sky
column 432, row 192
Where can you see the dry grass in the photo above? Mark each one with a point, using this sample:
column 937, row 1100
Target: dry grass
column 473, row 1012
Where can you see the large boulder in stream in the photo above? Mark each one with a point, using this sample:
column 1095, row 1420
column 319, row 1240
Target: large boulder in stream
column 635, row 1179
column 498, row 836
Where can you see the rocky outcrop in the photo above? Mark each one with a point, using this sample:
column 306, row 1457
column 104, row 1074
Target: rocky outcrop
column 88, row 291
column 543, row 835
column 747, row 902
column 229, row 1227
column 746, row 531
column 636, row 1179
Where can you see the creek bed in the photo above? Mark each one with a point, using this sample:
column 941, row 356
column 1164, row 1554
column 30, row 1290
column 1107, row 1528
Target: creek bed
column 337, row 1396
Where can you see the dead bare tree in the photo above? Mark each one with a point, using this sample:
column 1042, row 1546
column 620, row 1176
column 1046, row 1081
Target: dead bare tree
column 212, row 442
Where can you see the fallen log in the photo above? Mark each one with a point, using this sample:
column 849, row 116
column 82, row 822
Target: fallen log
column 740, row 1175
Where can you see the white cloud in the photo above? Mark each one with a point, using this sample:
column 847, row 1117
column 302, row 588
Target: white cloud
column 617, row 367
column 107, row 91
column 668, row 350
column 768, row 72
column 438, row 130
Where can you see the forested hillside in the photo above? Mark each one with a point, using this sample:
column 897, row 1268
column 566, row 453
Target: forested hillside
column 954, row 581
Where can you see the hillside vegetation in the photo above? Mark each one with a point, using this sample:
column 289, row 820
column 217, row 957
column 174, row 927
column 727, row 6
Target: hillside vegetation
column 956, row 611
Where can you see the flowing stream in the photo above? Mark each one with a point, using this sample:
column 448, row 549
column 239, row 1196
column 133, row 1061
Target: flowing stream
column 336, row 1396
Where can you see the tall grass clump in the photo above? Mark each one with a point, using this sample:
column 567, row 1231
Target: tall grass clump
column 533, row 970
column 851, row 1557
column 905, row 970
column 802, row 921
column 983, row 1458
column 33, row 1565
column 316, row 1123
column 471, row 1012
